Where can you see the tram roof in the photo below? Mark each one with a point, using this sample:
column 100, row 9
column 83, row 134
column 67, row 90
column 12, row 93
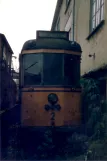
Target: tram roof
column 52, row 40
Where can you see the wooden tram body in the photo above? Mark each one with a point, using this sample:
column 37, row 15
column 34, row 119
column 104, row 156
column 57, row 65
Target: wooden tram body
column 49, row 81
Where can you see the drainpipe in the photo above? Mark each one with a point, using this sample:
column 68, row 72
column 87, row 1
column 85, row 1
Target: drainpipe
column 73, row 25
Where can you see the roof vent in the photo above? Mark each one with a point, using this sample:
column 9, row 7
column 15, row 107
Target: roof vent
column 53, row 34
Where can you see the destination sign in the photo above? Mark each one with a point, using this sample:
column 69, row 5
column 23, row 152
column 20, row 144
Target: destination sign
column 53, row 34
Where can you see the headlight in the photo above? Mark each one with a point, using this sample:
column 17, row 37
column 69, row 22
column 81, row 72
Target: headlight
column 52, row 98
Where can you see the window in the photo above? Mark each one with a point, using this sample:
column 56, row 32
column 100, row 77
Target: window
column 97, row 13
column 58, row 25
column 43, row 69
column 67, row 2
column 53, row 69
column 71, row 70
column 32, row 64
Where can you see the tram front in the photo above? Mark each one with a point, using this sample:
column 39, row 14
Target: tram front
column 49, row 81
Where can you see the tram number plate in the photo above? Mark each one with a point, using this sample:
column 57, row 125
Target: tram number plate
column 52, row 116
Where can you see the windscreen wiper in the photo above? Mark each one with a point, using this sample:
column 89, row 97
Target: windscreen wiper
column 31, row 65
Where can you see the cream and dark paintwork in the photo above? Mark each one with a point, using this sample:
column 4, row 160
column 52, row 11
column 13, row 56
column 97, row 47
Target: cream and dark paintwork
column 34, row 99
column 34, row 113
column 50, row 51
column 33, row 102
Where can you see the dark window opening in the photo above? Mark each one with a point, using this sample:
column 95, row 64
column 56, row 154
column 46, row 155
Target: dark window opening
column 67, row 2
column 97, row 13
column 71, row 70
column 32, row 64
column 53, row 69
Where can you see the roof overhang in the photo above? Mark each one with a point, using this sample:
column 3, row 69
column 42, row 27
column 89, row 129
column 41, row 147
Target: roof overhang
column 7, row 43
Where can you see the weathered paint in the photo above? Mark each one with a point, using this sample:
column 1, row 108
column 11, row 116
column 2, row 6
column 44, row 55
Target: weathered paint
column 34, row 113
column 50, row 51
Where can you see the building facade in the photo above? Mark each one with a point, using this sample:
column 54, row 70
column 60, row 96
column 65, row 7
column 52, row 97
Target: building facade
column 7, row 85
column 63, row 17
column 86, row 22
column 8, row 94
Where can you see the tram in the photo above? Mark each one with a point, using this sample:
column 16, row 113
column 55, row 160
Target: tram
column 50, row 93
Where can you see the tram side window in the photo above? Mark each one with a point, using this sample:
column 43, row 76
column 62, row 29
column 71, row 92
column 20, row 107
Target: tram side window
column 32, row 64
column 71, row 70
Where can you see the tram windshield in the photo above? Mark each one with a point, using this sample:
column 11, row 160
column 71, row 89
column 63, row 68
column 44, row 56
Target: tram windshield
column 32, row 65
column 50, row 69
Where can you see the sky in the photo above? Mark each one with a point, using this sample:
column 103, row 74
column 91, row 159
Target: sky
column 19, row 20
